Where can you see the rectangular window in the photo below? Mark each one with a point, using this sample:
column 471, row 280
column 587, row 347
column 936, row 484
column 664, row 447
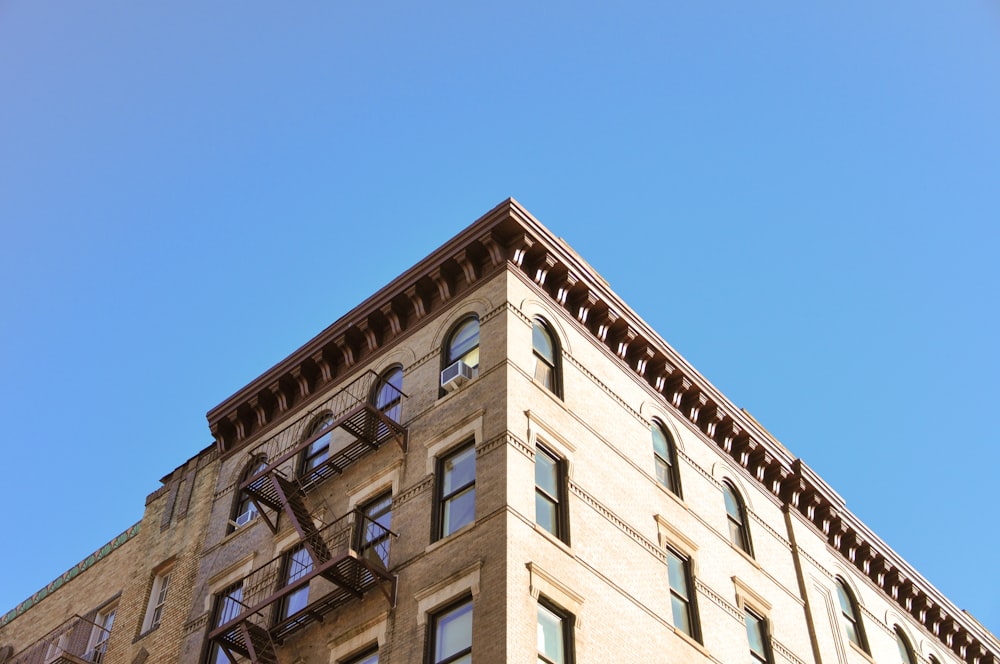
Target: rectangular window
column 451, row 635
column 296, row 564
column 157, row 601
column 760, row 646
column 550, row 494
column 681, row 596
column 555, row 635
column 457, row 492
column 99, row 635
column 228, row 605
column 368, row 657
column 377, row 520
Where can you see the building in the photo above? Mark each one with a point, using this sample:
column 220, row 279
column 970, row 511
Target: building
column 491, row 458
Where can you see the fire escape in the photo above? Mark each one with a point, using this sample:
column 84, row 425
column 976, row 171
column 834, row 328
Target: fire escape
column 334, row 563
column 76, row 641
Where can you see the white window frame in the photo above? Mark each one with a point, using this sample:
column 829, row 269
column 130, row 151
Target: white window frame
column 157, row 599
column 98, row 629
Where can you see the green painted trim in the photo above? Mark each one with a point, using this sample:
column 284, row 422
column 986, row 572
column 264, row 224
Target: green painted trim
column 70, row 574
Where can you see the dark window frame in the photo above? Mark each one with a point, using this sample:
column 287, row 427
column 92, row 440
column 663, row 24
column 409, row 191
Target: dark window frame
column 432, row 623
column 289, row 576
column 450, row 354
column 764, row 632
column 739, row 528
column 904, row 645
column 560, row 501
column 555, row 363
column 689, row 600
column 364, row 544
column 212, row 649
column 306, row 459
column 441, row 500
column 671, row 470
column 568, row 624
column 393, row 407
column 854, row 619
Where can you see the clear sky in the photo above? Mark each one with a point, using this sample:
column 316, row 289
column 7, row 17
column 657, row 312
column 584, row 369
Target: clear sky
column 802, row 198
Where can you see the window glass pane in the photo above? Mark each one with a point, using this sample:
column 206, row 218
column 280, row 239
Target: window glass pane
column 546, row 473
column 453, row 632
column 389, row 393
column 544, row 374
column 380, row 511
column 678, row 574
column 736, row 534
column 299, row 564
column 545, row 513
column 542, row 343
column 459, row 510
column 463, row 341
column 374, row 536
column 904, row 648
column 845, row 603
column 459, row 470
column 662, row 473
column 321, row 424
column 229, row 606
column 682, row 620
column 732, row 504
column 852, row 632
column 755, row 635
column 550, row 636
column 659, row 442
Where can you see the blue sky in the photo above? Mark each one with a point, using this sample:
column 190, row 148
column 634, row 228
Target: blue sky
column 801, row 199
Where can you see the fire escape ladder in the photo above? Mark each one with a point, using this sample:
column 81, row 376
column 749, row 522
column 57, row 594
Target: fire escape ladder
column 260, row 648
column 291, row 496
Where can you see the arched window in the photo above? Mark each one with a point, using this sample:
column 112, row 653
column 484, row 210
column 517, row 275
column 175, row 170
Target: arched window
column 905, row 650
column 739, row 535
column 546, row 351
column 389, row 393
column 318, row 450
column 665, row 458
column 244, row 509
column 852, row 618
column 463, row 344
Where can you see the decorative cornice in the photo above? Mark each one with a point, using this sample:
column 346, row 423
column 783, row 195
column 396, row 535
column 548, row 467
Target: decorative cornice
column 70, row 574
column 470, row 257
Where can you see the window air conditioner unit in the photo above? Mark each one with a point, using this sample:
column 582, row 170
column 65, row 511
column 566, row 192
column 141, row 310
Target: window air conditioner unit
column 456, row 375
column 243, row 519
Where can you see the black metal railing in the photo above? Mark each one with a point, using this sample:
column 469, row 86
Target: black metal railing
column 356, row 427
column 358, row 553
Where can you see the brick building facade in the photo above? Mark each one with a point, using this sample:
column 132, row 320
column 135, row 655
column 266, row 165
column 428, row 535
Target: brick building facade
column 492, row 458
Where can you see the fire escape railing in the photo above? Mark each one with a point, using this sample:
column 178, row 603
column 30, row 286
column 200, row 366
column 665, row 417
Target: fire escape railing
column 72, row 642
column 347, row 558
column 352, row 410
